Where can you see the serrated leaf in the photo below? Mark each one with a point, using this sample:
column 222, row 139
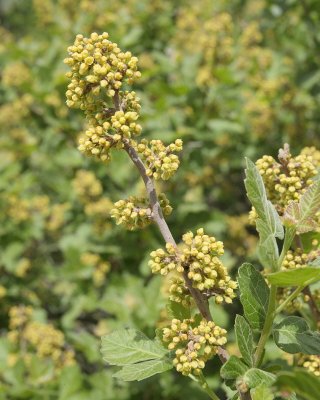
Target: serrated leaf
column 233, row 368
column 262, row 392
column 269, row 224
column 143, row 370
column 301, row 382
column 296, row 277
column 244, row 338
column 254, row 377
column 128, row 346
column 177, row 310
column 293, row 335
column 254, row 295
column 310, row 201
column 302, row 214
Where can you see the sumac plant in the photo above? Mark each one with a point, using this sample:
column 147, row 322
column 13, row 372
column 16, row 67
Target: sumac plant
column 279, row 296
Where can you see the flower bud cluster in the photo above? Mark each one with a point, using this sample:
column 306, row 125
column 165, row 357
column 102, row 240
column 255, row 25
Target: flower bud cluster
column 135, row 212
column 57, row 216
column 160, row 161
column 108, row 129
column 98, row 67
column 48, row 341
column 86, row 185
column 15, row 74
column 199, row 257
column 38, row 338
column 98, row 71
column 124, row 123
column 178, row 291
column 21, row 209
column 298, row 259
column 311, row 363
column 98, row 208
column 288, row 179
column 19, row 316
column 314, row 153
column 193, row 344
column 100, row 267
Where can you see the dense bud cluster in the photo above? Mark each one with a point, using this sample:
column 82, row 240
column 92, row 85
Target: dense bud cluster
column 37, row 338
column 97, row 65
column 311, row 363
column 99, row 266
column 15, row 74
column 298, row 259
column 287, row 179
column 160, row 160
column 86, row 185
column 98, row 71
column 19, row 316
column 199, row 257
column 98, row 208
column 57, row 216
column 135, row 212
column 48, row 342
column 314, row 153
column 193, row 343
column 178, row 291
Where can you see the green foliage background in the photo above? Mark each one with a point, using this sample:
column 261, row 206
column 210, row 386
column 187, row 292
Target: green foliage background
column 232, row 79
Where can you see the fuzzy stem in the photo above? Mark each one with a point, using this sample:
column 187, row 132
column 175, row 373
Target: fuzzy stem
column 288, row 238
column 267, row 326
column 311, row 302
column 312, row 305
column 157, row 215
column 292, row 296
column 204, row 384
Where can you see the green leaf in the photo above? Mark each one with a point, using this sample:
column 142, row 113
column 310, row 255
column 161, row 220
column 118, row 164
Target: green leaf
column 129, row 346
column 70, row 382
column 233, row 368
column 301, row 382
column 293, row 335
column 257, row 195
column 254, row 377
column 296, row 277
column 262, row 392
column 268, row 251
column 254, row 295
column 269, row 224
column 244, row 337
column 177, row 310
column 302, row 215
column 143, row 370
column 315, row 263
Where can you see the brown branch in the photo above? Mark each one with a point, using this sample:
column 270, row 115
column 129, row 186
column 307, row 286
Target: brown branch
column 200, row 300
column 312, row 305
column 157, row 215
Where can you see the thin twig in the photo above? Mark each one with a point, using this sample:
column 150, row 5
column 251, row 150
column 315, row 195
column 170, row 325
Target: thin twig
column 312, row 305
column 157, row 215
